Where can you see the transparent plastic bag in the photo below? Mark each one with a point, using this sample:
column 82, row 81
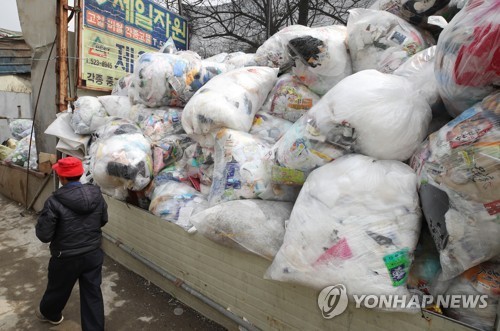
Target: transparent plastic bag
column 289, row 99
column 121, row 162
column 467, row 65
column 19, row 156
column 321, row 57
column 121, row 86
column 459, row 174
column 380, row 40
column 89, row 114
column 177, row 202
column 482, row 279
column 162, row 79
column 239, row 171
column 356, row 222
column 157, row 123
column 240, row 59
column 252, row 225
column 20, row 128
column 274, row 53
column 268, row 127
column 169, row 150
column 420, row 70
column 229, row 100
column 115, row 105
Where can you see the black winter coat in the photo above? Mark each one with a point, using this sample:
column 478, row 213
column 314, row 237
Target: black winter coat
column 71, row 220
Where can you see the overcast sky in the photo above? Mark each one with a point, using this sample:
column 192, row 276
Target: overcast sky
column 8, row 16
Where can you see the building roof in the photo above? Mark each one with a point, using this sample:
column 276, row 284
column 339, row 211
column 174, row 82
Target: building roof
column 15, row 54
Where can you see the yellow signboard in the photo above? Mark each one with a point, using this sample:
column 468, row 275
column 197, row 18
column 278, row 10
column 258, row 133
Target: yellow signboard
column 114, row 33
column 107, row 58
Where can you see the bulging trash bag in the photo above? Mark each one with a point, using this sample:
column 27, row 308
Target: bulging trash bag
column 240, row 59
column 239, row 171
column 375, row 114
column 20, row 128
column 419, row 69
column 121, row 161
column 89, row 114
column 304, row 148
column 483, row 279
column 218, row 58
column 116, row 126
column 22, row 155
column 229, row 100
column 459, row 176
column 199, row 164
column 161, row 79
column 115, row 105
column 169, row 150
column 162, row 123
column 268, row 127
column 360, row 218
column 173, row 172
column 121, row 86
column 467, row 63
column 256, row 226
column 274, row 53
column 177, row 203
column 289, row 99
column 417, row 12
column 380, row 40
column 321, row 57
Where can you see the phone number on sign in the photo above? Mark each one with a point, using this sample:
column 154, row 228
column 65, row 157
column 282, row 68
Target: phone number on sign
column 98, row 63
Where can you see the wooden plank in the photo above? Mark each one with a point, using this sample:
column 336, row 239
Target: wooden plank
column 13, row 181
column 234, row 279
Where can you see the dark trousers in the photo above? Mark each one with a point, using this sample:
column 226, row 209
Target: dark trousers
column 63, row 274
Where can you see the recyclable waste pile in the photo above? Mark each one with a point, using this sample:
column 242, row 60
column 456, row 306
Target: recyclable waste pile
column 330, row 151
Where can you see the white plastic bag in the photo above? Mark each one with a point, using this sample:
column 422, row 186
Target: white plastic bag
column 240, row 59
column 121, row 86
column 239, row 171
column 459, row 176
column 274, row 53
column 380, row 40
column 356, row 222
column 419, row 69
column 20, row 128
column 177, row 202
column 89, row 114
column 157, row 123
column 289, row 99
column 229, row 100
column 253, row 225
column 121, row 160
column 115, row 105
column 483, row 279
column 467, row 56
column 321, row 57
column 268, row 127
column 169, row 150
column 162, row 79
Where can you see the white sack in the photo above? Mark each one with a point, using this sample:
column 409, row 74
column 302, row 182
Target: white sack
column 115, row 105
column 253, row 225
column 268, row 127
column 289, row 99
column 356, row 222
column 177, row 202
column 89, row 114
column 229, row 100
column 380, row 40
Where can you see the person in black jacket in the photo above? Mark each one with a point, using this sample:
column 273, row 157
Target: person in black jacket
column 71, row 221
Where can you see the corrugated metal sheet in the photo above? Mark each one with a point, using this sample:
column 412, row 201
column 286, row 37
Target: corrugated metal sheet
column 15, row 56
column 235, row 280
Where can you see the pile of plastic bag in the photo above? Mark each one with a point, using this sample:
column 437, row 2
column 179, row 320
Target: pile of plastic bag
column 20, row 128
column 459, row 175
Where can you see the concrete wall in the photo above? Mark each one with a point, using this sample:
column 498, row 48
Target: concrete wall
column 9, row 102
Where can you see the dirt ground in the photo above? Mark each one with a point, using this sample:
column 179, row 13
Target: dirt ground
column 131, row 302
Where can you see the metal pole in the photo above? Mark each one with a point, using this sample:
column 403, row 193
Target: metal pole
column 269, row 18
